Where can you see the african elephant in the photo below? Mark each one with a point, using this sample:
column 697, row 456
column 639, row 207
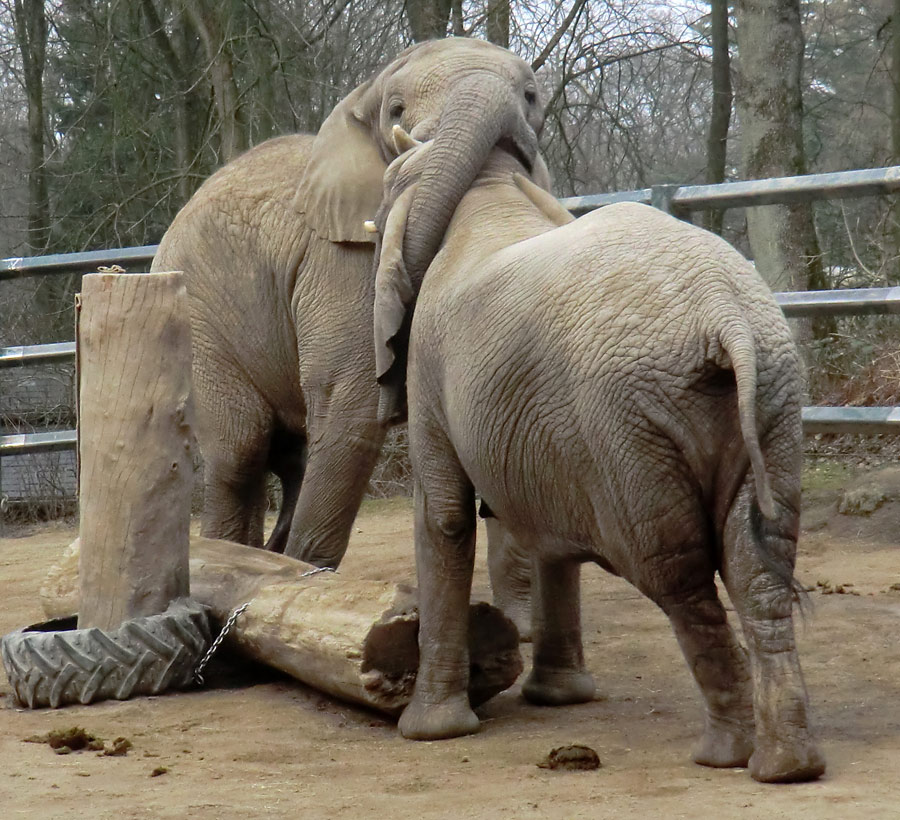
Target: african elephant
column 280, row 282
column 623, row 389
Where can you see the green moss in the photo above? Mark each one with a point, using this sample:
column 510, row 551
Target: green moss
column 824, row 476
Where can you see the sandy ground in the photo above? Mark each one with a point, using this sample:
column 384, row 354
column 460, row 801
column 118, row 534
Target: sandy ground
column 271, row 747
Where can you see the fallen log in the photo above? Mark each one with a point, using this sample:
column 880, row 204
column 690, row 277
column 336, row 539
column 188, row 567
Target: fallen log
column 353, row 638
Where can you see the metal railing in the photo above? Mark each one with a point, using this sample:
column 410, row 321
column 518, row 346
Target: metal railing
column 751, row 193
column 86, row 262
column 677, row 199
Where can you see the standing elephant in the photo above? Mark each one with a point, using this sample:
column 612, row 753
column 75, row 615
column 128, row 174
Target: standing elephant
column 280, row 282
column 622, row 389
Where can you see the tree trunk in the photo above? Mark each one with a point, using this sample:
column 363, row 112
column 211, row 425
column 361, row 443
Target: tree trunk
column 134, row 445
column 770, row 50
column 175, row 51
column 353, row 638
column 213, row 35
column 428, row 18
column 456, row 17
column 720, row 113
column 894, row 239
column 31, row 35
column 498, row 22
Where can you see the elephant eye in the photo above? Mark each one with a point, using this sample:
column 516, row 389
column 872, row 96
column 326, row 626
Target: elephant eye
column 396, row 110
column 530, row 97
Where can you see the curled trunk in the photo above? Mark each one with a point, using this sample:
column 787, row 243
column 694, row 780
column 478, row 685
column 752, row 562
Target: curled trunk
column 480, row 113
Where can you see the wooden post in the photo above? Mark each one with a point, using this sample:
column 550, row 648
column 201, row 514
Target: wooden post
column 134, row 445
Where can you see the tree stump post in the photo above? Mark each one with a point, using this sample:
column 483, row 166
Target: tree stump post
column 134, row 445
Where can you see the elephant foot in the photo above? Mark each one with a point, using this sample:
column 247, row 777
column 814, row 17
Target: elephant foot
column 775, row 763
column 559, row 687
column 724, row 746
column 438, row 721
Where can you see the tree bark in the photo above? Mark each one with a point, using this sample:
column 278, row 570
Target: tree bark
column 351, row 637
column 720, row 112
column 174, row 51
column 31, row 35
column 428, row 18
column 894, row 238
column 456, row 18
column 134, row 445
column 770, row 51
column 498, row 22
column 213, row 35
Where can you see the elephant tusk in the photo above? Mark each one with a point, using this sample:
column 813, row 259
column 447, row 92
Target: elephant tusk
column 403, row 141
column 370, row 226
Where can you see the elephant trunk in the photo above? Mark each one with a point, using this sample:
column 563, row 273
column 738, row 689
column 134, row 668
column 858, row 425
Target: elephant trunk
column 483, row 112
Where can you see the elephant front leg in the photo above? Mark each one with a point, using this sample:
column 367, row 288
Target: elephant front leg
column 510, row 570
column 342, row 448
column 558, row 674
column 445, row 551
column 760, row 588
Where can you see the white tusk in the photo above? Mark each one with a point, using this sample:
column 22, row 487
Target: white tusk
column 370, row 227
column 404, row 141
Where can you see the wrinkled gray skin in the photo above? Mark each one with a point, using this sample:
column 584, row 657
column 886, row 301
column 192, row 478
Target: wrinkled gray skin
column 621, row 389
column 280, row 282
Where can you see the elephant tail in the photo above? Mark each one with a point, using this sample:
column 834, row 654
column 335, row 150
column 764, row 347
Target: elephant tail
column 736, row 337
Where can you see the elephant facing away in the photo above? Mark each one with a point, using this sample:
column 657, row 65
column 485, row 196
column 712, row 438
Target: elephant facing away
column 622, row 389
column 280, row 280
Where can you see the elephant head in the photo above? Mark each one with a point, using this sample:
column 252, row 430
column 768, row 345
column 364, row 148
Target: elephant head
column 396, row 280
column 469, row 95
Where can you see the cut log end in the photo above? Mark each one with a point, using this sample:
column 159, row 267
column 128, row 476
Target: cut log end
column 391, row 653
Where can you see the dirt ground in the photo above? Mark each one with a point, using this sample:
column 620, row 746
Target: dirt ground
column 268, row 746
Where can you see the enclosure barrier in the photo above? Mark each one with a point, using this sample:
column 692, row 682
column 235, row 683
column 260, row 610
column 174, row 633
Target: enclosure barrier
column 679, row 200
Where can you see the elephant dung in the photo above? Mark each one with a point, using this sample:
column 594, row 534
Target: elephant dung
column 353, row 638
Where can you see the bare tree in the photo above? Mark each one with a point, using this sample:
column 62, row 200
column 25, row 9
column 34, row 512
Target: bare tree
column 894, row 216
column 498, row 22
column 428, row 18
column 770, row 51
column 720, row 110
column 31, row 35
column 211, row 22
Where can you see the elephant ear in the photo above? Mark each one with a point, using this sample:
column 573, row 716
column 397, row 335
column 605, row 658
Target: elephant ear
column 544, row 201
column 394, row 296
column 341, row 187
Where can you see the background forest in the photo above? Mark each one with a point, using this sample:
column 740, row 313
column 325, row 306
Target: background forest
column 112, row 112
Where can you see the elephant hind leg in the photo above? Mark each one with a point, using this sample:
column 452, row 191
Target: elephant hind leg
column 287, row 460
column 558, row 674
column 234, row 436
column 719, row 666
column 763, row 598
column 234, row 501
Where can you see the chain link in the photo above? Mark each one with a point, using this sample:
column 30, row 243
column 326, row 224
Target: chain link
column 229, row 625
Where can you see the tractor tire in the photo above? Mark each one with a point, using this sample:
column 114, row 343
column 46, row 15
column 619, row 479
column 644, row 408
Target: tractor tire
column 54, row 664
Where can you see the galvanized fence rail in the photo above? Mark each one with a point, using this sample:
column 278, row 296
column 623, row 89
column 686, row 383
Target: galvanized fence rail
column 680, row 200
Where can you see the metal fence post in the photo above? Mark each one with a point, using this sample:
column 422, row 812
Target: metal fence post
column 663, row 197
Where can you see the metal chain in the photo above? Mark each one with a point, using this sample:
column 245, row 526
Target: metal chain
column 229, row 625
